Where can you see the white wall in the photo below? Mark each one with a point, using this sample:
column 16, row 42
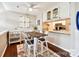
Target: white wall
column 39, row 17
column 14, row 19
column 61, row 40
column 2, row 17
column 75, row 32
column 64, row 11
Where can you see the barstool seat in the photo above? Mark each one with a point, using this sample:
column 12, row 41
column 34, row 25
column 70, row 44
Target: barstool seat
column 41, row 39
column 43, row 42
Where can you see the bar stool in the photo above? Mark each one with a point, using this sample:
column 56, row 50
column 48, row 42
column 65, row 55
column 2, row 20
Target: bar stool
column 28, row 44
column 43, row 41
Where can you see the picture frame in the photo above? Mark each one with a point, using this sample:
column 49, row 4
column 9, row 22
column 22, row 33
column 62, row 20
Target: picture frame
column 38, row 22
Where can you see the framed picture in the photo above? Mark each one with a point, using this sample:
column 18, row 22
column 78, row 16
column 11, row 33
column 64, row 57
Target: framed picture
column 38, row 22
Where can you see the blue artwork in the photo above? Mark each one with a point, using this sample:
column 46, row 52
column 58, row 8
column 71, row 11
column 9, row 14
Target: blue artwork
column 77, row 20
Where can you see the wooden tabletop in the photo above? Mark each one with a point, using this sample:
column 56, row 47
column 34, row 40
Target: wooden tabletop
column 36, row 34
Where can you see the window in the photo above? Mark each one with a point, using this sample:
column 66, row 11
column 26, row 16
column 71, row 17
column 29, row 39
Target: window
column 25, row 22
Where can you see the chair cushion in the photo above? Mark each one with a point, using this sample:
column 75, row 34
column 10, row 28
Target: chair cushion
column 41, row 39
column 30, row 42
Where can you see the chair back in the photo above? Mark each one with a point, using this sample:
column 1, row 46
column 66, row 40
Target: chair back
column 25, row 37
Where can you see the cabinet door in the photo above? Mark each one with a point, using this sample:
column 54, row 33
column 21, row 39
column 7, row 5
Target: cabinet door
column 55, row 13
column 64, row 10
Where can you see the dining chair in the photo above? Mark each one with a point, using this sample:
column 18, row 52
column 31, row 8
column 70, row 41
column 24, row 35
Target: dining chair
column 30, row 45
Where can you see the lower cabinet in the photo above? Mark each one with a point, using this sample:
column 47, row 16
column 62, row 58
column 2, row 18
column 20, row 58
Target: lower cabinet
column 14, row 37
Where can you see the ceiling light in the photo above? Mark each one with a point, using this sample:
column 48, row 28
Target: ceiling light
column 30, row 9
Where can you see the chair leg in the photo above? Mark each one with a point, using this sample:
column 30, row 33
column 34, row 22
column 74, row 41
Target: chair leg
column 47, row 48
column 29, row 51
column 42, row 47
column 24, row 48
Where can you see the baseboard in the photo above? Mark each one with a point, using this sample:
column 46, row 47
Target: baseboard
column 72, row 52
column 4, row 51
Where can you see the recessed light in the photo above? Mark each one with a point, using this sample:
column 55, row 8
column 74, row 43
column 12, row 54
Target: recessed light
column 30, row 9
column 17, row 6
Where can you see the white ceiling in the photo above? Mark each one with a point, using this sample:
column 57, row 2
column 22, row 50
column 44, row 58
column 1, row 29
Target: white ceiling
column 23, row 8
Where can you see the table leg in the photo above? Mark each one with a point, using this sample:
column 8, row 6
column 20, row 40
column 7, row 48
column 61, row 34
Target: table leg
column 35, row 46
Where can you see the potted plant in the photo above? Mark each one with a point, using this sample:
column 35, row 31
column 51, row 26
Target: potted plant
column 35, row 28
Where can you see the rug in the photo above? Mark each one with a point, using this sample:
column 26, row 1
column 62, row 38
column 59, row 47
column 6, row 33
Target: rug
column 22, row 53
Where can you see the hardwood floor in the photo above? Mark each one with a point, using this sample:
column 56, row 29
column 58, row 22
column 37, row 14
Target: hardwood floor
column 59, row 51
column 11, row 51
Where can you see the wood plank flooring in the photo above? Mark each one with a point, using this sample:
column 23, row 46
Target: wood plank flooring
column 59, row 51
column 11, row 50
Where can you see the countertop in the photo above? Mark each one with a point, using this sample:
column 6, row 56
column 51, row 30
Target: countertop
column 61, row 32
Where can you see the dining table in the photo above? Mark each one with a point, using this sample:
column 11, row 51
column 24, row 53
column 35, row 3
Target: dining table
column 35, row 35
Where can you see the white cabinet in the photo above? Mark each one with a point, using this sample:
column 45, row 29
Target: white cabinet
column 63, row 11
column 14, row 37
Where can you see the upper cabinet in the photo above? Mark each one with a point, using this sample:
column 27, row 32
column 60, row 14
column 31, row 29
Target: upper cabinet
column 58, row 11
column 49, row 15
column 53, row 14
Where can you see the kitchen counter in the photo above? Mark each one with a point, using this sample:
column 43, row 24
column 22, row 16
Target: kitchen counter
column 61, row 32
